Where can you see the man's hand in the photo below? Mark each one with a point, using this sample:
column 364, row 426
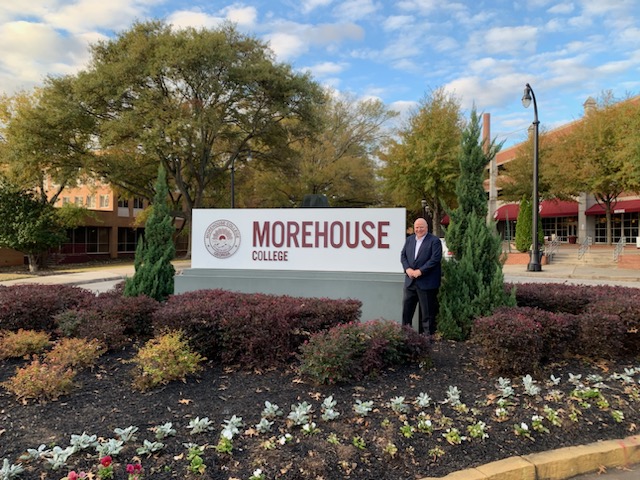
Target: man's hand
column 413, row 273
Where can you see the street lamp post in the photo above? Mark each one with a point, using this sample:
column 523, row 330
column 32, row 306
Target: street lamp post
column 233, row 186
column 534, row 263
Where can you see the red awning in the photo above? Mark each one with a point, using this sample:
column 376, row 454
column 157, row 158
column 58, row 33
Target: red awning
column 509, row 211
column 548, row 208
column 622, row 206
column 558, row 208
column 445, row 220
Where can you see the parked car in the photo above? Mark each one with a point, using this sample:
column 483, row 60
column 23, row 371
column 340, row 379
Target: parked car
column 446, row 254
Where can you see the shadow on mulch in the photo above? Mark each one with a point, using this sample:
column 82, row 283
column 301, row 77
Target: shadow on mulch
column 104, row 400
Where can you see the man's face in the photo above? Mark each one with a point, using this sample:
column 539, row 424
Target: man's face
column 420, row 228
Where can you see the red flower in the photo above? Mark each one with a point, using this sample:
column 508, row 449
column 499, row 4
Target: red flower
column 105, row 461
column 72, row 475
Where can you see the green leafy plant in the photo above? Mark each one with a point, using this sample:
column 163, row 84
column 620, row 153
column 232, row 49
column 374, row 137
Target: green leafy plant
column 194, row 456
column 164, row 359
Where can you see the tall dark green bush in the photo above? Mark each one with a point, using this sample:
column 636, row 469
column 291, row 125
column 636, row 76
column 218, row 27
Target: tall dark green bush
column 524, row 227
column 154, row 271
column 473, row 283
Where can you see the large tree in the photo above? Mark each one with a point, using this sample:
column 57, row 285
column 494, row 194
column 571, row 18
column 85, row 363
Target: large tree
column 594, row 153
column 422, row 163
column 197, row 102
column 338, row 161
column 44, row 139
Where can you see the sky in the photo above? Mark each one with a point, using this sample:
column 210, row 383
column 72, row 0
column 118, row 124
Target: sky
column 398, row 51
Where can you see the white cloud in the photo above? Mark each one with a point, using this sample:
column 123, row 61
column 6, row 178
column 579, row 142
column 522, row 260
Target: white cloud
column 33, row 50
column 325, row 68
column 506, row 40
column 195, row 19
column 310, row 5
column 561, row 8
column 397, row 22
column 355, row 9
column 243, row 16
column 286, row 46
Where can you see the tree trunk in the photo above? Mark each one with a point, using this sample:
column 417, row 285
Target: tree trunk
column 34, row 264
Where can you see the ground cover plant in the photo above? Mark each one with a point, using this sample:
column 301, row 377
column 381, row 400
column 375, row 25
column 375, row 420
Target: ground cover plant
column 235, row 421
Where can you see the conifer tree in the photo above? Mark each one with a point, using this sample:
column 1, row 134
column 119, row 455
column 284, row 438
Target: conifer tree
column 154, row 271
column 524, row 225
column 473, row 282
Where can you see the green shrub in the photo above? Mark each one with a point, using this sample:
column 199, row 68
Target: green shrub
column 356, row 350
column 164, row 359
column 40, row 381
column 22, row 343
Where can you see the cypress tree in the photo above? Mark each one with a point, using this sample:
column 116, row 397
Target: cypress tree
column 524, row 225
column 473, row 282
column 154, row 271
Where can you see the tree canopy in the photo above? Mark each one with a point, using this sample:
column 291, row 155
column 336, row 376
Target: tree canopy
column 195, row 101
column 338, row 161
column 597, row 153
column 422, row 163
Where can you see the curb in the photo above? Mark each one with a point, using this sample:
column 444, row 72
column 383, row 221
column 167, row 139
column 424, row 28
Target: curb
column 560, row 464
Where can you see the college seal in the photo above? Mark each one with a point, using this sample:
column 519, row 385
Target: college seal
column 222, row 239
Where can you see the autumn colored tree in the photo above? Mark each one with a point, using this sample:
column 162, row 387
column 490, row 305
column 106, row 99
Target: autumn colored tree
column 597, row 153
column 423, row 162
column 338, row 161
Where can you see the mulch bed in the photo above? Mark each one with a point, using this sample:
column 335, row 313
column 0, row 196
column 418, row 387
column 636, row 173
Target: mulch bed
column 104, row 400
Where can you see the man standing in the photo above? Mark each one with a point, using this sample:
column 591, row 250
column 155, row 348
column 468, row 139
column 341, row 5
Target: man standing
column 421, row 259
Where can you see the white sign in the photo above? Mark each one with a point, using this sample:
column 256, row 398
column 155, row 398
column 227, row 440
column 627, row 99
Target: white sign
column 321, row 239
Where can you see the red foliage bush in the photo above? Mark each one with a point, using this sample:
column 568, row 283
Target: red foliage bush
column 553, row 297
column 355, row 350
column 33, row 307
column 250, row 330
column 511, row 340
column 625, row 306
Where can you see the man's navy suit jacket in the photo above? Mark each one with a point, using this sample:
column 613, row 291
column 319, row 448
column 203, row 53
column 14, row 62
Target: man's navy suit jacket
column 429, row 261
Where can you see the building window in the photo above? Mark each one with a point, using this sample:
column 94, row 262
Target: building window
column 78, row 201
column 66, row 200
column 128, row 239
column 138, row 202
column 91, row 201
column 86, row 240
column 123, row 203
column 104, row 201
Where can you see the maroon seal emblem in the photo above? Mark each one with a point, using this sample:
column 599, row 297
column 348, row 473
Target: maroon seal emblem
column 222, row 239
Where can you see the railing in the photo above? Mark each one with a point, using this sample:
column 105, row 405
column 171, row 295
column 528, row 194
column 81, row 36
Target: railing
column 551, row 249
column 584, row 247
column 619, row 249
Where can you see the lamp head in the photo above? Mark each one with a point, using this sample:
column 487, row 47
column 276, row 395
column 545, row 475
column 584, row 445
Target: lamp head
column 526, row 98
column 424, row 203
